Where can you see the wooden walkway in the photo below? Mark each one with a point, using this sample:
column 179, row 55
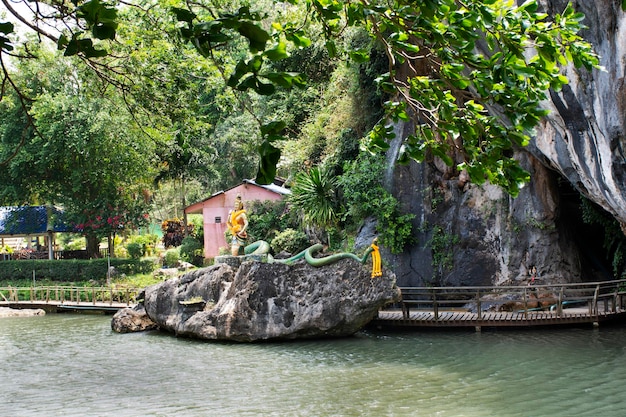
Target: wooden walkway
column 508, row 306
column 57, row 299
column 69, row 306
column 451, row 319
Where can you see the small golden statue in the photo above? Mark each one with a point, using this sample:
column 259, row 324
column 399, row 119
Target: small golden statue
column 237, row 224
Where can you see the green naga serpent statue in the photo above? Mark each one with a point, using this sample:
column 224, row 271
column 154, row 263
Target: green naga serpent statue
column 261, row 247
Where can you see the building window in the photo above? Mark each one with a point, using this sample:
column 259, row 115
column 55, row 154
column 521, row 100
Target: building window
column 218, row 219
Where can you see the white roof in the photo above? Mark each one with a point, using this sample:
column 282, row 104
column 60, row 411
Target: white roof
column 271, row 187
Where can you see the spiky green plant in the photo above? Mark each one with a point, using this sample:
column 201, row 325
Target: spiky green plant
column 314, row 194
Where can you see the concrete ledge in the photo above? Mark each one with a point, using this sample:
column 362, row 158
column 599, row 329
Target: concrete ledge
column 236, row 261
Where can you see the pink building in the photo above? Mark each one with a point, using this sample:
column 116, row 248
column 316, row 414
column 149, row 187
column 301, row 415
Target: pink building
column 215, row 210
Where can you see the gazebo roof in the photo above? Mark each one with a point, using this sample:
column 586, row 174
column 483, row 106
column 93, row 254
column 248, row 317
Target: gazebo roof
column 31, row 220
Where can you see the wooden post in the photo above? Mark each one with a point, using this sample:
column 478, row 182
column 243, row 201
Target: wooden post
column 593, row 308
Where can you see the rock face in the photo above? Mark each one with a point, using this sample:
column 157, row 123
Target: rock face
column 262, row 301
column 584, row 137
column 469, row 235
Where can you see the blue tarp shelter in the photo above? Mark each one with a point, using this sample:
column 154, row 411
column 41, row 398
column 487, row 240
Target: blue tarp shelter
column 33, row 221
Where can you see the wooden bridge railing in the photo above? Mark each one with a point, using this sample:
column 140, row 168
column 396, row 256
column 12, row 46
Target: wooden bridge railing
column 599, row 297
column 67, row 294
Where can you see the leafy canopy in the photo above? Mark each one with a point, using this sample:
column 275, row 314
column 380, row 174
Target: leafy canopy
column 470, row 74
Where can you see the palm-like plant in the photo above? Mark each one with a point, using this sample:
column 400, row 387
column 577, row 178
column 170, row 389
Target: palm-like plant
column 314, row 194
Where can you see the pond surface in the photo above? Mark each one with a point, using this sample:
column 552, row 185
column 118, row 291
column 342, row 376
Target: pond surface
column 74, row 365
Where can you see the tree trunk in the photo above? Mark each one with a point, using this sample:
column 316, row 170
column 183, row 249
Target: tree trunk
column 93, row 246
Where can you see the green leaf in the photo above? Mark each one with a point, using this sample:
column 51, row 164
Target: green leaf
column 359, row 56
column 255, row 64
column 264, row 89
column 104, row 31
column 256, row 36
column 6, row 27
column 298, row 39
column 100, row 17
column 273, row 128
column 441, row 152
column 331, row 48
column 240, row 70
column 529, row 5
column 183, row 15
column 286, row 79
column 5, row 44
column 269, row 157
column 278, row 52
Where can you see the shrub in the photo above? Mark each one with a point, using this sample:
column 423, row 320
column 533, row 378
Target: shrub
column 290, row 240
column 174, row 232
column 191, row 251
column 135, row 250
column 267, row 218
column 71, row 270
column 365, row 196
column 171, row 258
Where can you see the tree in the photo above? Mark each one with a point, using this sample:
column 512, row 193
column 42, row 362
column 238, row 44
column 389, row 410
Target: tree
column 471, row 74
column 87, row 154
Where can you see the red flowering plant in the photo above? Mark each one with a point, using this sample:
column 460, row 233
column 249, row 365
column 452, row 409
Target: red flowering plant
column 105, row 221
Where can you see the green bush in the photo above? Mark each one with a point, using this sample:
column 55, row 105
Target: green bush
column 70, row 270
column 191, row 251
column 171, row 258
column 267, row 218
column 135, row 250
column 290, row 240
column 365, row 196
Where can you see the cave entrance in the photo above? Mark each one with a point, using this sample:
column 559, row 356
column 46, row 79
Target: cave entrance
column 587, row 226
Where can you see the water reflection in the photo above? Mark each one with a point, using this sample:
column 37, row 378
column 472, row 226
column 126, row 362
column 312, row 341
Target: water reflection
column 74, row 365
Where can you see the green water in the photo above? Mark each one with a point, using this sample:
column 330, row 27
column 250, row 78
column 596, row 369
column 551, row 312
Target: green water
column 74, row 365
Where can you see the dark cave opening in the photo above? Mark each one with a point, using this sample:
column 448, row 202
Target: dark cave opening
column 589, row 238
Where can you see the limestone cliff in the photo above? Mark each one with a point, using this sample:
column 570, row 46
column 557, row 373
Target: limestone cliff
column 469, row 235
column 584, row 136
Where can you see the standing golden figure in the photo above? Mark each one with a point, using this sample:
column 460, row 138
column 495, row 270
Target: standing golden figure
column 237, row 224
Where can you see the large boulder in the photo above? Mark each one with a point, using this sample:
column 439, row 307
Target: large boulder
column 129, row 320
column 268, row 301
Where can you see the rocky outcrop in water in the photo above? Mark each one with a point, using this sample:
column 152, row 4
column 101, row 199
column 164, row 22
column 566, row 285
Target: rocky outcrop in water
column 263, row 301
